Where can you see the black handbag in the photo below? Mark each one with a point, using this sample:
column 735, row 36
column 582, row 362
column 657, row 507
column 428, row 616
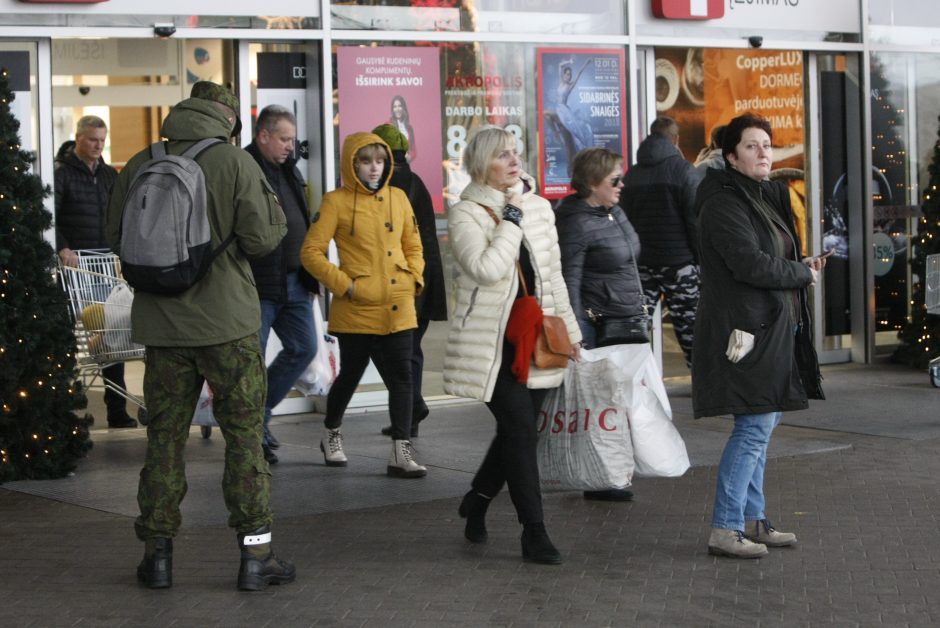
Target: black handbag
column 622, row 330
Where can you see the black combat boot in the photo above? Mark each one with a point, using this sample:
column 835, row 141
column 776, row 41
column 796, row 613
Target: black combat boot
column 155, row 571
column 259, row 566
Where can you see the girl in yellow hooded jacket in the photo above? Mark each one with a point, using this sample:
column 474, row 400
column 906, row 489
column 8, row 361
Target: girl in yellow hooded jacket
column 379, row 273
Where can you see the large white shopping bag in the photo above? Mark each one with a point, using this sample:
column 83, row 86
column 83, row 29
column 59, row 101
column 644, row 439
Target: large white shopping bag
column 658, row 449
column 611, row 417
column 584, row 434
column 320, row 375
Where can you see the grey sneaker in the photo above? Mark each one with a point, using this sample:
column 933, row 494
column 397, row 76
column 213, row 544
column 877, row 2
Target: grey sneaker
column 733, row 543
column 763, row 532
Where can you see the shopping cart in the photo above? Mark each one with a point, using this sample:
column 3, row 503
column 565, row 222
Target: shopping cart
column 932, row 301
column 100, row 304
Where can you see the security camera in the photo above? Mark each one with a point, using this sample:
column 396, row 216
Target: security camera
column 756, row 41
column 83, row 90
column 163, row 30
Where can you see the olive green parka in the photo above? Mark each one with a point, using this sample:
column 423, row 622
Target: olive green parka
column 223, row 306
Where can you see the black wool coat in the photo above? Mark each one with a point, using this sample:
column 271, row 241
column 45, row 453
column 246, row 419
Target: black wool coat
column 598, row 251
column 431, row 304
column 745, row 286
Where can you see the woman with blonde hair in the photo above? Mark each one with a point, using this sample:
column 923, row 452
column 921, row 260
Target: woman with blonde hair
column 504, row 244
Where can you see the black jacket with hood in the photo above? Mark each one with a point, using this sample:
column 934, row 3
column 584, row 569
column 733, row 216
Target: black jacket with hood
column 659, row 199
column 746, row 286
column 431, row 304
column 270, row 271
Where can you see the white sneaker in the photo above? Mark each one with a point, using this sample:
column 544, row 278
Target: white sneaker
column 401, row 463
column 733, row 543
column 332, row 448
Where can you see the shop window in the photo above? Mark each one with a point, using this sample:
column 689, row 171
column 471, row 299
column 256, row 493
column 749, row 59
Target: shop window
column 590, row 17
column 703, row 88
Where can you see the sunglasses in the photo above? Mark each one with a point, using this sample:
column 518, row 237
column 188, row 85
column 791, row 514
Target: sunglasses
column 616, row 180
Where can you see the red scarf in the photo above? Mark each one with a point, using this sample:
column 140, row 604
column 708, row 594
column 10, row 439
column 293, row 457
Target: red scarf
column 524, row 326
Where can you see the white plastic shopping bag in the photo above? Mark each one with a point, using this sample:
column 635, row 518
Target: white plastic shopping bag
column 322, row 372
column 658, row 449
column 203, row 414
column 117, row 319
column 584, row 435
column 611, row 418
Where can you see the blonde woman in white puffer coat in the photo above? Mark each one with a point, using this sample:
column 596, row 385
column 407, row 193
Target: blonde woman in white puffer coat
column 498, row 222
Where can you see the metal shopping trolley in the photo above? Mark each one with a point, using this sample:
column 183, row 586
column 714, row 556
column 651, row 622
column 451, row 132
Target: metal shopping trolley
column 100, row 303
column 932, row 301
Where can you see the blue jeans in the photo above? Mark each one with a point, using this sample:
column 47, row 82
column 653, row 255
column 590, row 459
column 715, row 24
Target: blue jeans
column 740, row 493
column 292, row 321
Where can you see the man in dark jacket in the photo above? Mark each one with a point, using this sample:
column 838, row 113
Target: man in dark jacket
column 284, row 286
column 208, row 333
column 431, row 304
column 659, row 199
column 83, row 183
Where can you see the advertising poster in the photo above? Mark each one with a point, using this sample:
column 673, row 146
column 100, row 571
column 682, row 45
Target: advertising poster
column 400, row 86
column 484, row 84
column 704, row 88
column 582, row 104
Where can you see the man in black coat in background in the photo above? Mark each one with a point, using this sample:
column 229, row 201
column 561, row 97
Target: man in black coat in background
column 431, row 304
column 83, row 183
column 659, row 199
column 284, row 286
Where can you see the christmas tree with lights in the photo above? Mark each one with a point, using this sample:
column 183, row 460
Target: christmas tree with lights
column 920, row 338
column 40, row 435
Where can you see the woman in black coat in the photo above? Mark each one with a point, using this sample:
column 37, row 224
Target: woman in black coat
column 599, row 249
column 753, row 355
column 431, row 304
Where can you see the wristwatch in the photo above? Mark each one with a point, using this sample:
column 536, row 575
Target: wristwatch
column 513, row 214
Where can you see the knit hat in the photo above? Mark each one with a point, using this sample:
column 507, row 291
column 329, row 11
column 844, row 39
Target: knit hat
column 207, row 90
column 395, row 139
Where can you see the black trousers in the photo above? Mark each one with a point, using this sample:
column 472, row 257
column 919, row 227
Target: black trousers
column 115, row 403
column 511, row 458
column 417, row 368
column 391, row 355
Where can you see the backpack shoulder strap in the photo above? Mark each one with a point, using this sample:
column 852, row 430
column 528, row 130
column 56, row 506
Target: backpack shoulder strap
column 158, row 150
column 196, row 149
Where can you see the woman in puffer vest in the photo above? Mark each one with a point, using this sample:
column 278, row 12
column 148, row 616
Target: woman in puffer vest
column 499, row 225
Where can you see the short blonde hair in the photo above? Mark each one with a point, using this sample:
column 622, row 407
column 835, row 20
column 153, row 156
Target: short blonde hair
column 486, row 143
column 370, row 151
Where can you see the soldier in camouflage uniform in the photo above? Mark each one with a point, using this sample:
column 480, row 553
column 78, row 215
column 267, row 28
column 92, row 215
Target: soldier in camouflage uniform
column 208, row 333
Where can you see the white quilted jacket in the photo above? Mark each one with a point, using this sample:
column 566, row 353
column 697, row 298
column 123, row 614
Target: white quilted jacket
column 486, row 283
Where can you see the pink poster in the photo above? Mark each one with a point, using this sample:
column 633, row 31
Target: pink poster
column 399, row 86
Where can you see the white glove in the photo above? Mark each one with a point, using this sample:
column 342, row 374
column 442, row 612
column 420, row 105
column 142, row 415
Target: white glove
column 740, row 343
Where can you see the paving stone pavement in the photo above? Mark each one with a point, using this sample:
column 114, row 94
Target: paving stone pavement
column 861, row 497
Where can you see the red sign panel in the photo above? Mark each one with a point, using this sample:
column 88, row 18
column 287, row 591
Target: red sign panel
column 689, row 9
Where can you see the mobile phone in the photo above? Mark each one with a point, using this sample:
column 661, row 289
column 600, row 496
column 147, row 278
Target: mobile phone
column 826, row 254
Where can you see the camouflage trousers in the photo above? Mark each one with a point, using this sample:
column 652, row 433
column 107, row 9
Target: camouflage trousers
column 172, row 382
column 680, row 285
